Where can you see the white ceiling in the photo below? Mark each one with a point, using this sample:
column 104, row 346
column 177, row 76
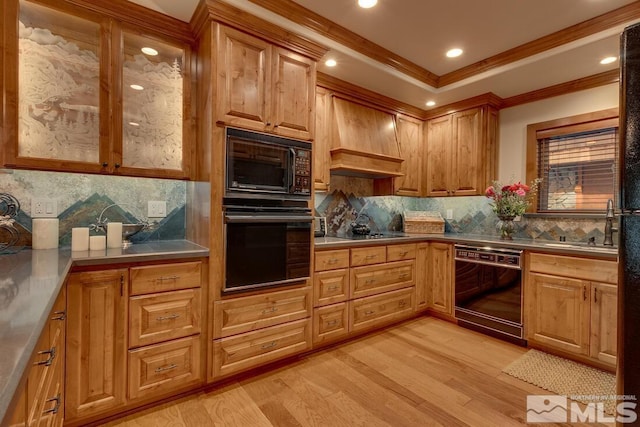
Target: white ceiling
column 422, row 30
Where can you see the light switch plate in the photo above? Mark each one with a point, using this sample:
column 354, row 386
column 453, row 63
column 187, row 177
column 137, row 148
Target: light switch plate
column 157, row 209
column 44, row 208
column 449, row 214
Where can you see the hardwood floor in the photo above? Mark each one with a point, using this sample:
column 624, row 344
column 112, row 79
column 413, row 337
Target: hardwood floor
column 425, row 372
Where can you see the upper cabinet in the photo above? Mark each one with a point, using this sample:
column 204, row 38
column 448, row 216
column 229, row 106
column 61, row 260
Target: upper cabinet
column 264, row 87
column 322, row 143
column 410, row 141
column 461, row 152
column 88, row 92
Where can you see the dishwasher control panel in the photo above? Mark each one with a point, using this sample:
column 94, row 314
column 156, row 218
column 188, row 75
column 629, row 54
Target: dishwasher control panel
column 485, row 255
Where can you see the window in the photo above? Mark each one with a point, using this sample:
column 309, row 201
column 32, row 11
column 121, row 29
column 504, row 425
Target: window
column 576, row 158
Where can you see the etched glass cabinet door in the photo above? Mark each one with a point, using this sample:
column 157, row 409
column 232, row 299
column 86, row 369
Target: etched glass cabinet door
column 53, row 88
column 153, row 95
column 81, row 94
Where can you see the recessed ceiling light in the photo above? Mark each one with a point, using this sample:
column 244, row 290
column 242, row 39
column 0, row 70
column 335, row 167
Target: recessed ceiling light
column 608, row 60
column 453, row 53
column 330, row 63
column 366, row 4
column 136, row 87
column 431, row 103
column 149, row 51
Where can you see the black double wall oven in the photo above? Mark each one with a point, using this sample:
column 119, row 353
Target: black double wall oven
column 267, row 220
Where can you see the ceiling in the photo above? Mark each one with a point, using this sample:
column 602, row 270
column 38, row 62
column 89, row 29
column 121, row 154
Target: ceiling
column 421, row 31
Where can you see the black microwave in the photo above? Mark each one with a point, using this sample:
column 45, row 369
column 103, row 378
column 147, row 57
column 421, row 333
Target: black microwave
column 266, row 166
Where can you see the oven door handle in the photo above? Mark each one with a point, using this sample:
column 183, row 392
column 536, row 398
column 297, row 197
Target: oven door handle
column 267, row 219
column 292, row 167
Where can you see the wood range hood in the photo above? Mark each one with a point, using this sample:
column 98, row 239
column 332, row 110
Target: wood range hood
column 364, row 141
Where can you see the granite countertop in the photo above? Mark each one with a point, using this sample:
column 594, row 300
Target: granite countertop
column 562, row 248
column 30, row 282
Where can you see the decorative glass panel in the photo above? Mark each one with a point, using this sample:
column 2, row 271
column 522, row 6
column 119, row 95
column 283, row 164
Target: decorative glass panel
column 152, row 103
column 59, row 85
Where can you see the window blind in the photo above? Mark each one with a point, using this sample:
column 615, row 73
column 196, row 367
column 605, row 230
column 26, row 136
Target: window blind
column 578, row 171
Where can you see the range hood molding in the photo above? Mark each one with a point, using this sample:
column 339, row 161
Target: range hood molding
column 364, row 141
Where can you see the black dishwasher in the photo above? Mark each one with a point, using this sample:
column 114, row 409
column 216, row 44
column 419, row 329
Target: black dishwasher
column 488, row 291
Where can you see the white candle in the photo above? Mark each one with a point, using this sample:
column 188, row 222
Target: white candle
column 97, row 243
column 79, row 239
column 44, row 233
column 114, row 235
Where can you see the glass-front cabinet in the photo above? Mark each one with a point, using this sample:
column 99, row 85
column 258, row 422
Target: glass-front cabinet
column 86, row 93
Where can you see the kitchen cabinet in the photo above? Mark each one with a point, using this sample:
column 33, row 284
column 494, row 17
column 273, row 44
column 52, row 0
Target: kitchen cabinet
column 440, row 278
column 322, row 142
column 264, row 87
column 362, row 288
column 571, row 306
column 96, row 360
column 92, row 101
column 410, row 133
column 461, row 152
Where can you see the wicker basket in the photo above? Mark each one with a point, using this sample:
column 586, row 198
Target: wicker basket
column 423, row 222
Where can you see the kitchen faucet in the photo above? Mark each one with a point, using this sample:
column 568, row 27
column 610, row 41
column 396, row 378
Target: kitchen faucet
column 608, row 227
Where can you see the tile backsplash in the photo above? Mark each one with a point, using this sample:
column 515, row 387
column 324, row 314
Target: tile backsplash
column 82, row 197
column 351, row 196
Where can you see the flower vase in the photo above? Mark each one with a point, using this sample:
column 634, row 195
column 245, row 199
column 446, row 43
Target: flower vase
column 506, row 227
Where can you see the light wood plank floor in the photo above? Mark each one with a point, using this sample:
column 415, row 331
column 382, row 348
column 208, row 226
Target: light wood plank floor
column 425, row 372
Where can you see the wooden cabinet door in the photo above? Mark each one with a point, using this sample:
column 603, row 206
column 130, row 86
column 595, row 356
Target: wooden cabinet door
column 293, row 94
column 439, row 134
column 559, row 313
column 322, row 141
column 467, row 158
column 96, row 350
column 422, row 275
column 410, row 141
column 244, row 72
column 440, row 286
column 604, row 319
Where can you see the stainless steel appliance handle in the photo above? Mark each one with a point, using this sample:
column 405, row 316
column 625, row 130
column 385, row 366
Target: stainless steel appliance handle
column 292, row 169
column 270, row 219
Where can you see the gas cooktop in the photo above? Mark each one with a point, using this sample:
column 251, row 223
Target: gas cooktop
column 374, row 236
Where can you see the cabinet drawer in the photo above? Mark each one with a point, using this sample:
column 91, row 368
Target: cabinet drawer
column 330, row 287
column 246, row 351
column 165, row 277
column 596, row 270
column 368, row 256
column 381, row 309
column 164, row 367
column 160, row 317
column 401, row 252
column 330, row 322
column 246, row 314
column 330, row 260
column 370, row 280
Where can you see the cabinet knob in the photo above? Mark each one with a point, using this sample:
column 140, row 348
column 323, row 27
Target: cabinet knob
column 117, row 165
column 105, row 164
column 268, row 123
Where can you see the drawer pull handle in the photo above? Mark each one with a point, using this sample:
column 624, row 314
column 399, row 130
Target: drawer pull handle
column 369, row 312
column 56, row 407
column 332, row 261
column 163, row 278
column 49, row 361
column 171, row 317
column 402, row 304
column 59, row 315
column 270, row 345
column 405, row 253
column 371, row 256
column 269, row 310
column 403, row 276
column 370, row 281
column 166, row 368
column 332, row 322
column 333, row 288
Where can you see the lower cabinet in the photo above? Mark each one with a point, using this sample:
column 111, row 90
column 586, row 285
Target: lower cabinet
column 378, row 310
column 571, row 306
column 434, row 278
column 133, row 334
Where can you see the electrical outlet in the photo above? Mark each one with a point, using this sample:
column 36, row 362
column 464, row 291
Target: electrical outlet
column 449, row 214
column 44, row 208
column 157, row 209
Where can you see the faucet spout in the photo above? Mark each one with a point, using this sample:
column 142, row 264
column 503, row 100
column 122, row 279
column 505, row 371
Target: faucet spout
column 608, row 226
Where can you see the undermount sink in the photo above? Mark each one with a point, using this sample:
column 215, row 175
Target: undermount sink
column 579, row 245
